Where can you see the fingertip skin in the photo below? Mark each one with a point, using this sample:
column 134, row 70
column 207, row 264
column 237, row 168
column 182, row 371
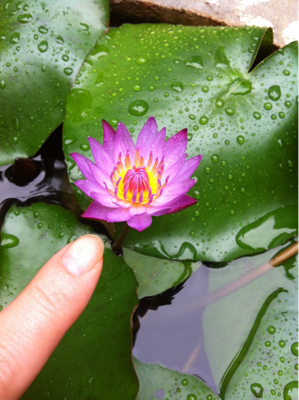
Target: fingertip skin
column 34, row 323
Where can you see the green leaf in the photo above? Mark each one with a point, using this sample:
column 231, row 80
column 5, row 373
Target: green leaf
column 244, row 124
column 93, row 360
column 154, row 275
column 157, row 382
column 42, row 46
column 268, row 362
column 247, row 313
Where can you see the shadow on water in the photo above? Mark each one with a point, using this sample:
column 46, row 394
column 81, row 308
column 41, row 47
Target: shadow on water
column 42, row 177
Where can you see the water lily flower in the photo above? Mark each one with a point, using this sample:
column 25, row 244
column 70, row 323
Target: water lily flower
column 131, row 182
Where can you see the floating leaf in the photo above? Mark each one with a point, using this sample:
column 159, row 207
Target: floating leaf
column 97, row 348
column 154, row 275
column 157, row 382
column 244, row 124
column 248, row 313
column 270, row 368
column 42, row 46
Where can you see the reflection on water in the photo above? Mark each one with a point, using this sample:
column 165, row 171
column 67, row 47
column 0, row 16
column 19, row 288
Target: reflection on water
column 183, row 335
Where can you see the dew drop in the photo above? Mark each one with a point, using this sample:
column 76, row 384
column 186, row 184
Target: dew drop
column 185, row 382
column 2, row 84
column 294, row 349
column 177, row 87
column 191, row 396
column 24, row 18
column 229, row 111
column 43, row 46
column 268, row 106
column 257, row 115
column 271, row 330
column 257, row 390
column 68, row 71
column 196, row 194
column 195, row 62
column 136, row 88
column 290, row 391
column 16, row 123
column 240, row 139
column 15, row 37
column 43, row 29
column 282, row 343
column 286, row 72
column 8, row 241
column 59, row 39
column 215, row 158
column 203, row 120
column 274, row 92
column 207, row 170
column 219, row 103
column 141, row 60
column 84, row 147
column 138, row 107
column 205, row 89
column 288, row 104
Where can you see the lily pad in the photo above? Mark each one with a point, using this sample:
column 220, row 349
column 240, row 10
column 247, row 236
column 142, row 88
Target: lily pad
column 157, row 382
column 97, row 348
column 42, row 46
column 271, row 366
column 243, row 123
column 156, row 275
column 248, row 344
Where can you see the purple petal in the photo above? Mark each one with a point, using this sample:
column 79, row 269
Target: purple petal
column 83, row 164
column 182, row 203
column 157, row 145
column 137, row 209
column 100, row 155
column 174, row 190
column 161, row 212
column 106, row 199
column 140, row 222
column 177, row 150
column 118, row 215
column 99, row 175
column 182, row 135
column 173, row 171
column 87, row 187
column 123, row 142
column 188, row 168
column 109, row 138
column 145, row 136
column 97, row 211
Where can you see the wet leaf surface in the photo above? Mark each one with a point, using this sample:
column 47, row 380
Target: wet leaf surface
column 96, row 351
column 236, row 327
column 42, row 47
column 244, row 124
column 156, row 275
column 157, row 382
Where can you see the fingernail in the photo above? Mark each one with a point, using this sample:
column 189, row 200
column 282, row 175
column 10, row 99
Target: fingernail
column 81, row 256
